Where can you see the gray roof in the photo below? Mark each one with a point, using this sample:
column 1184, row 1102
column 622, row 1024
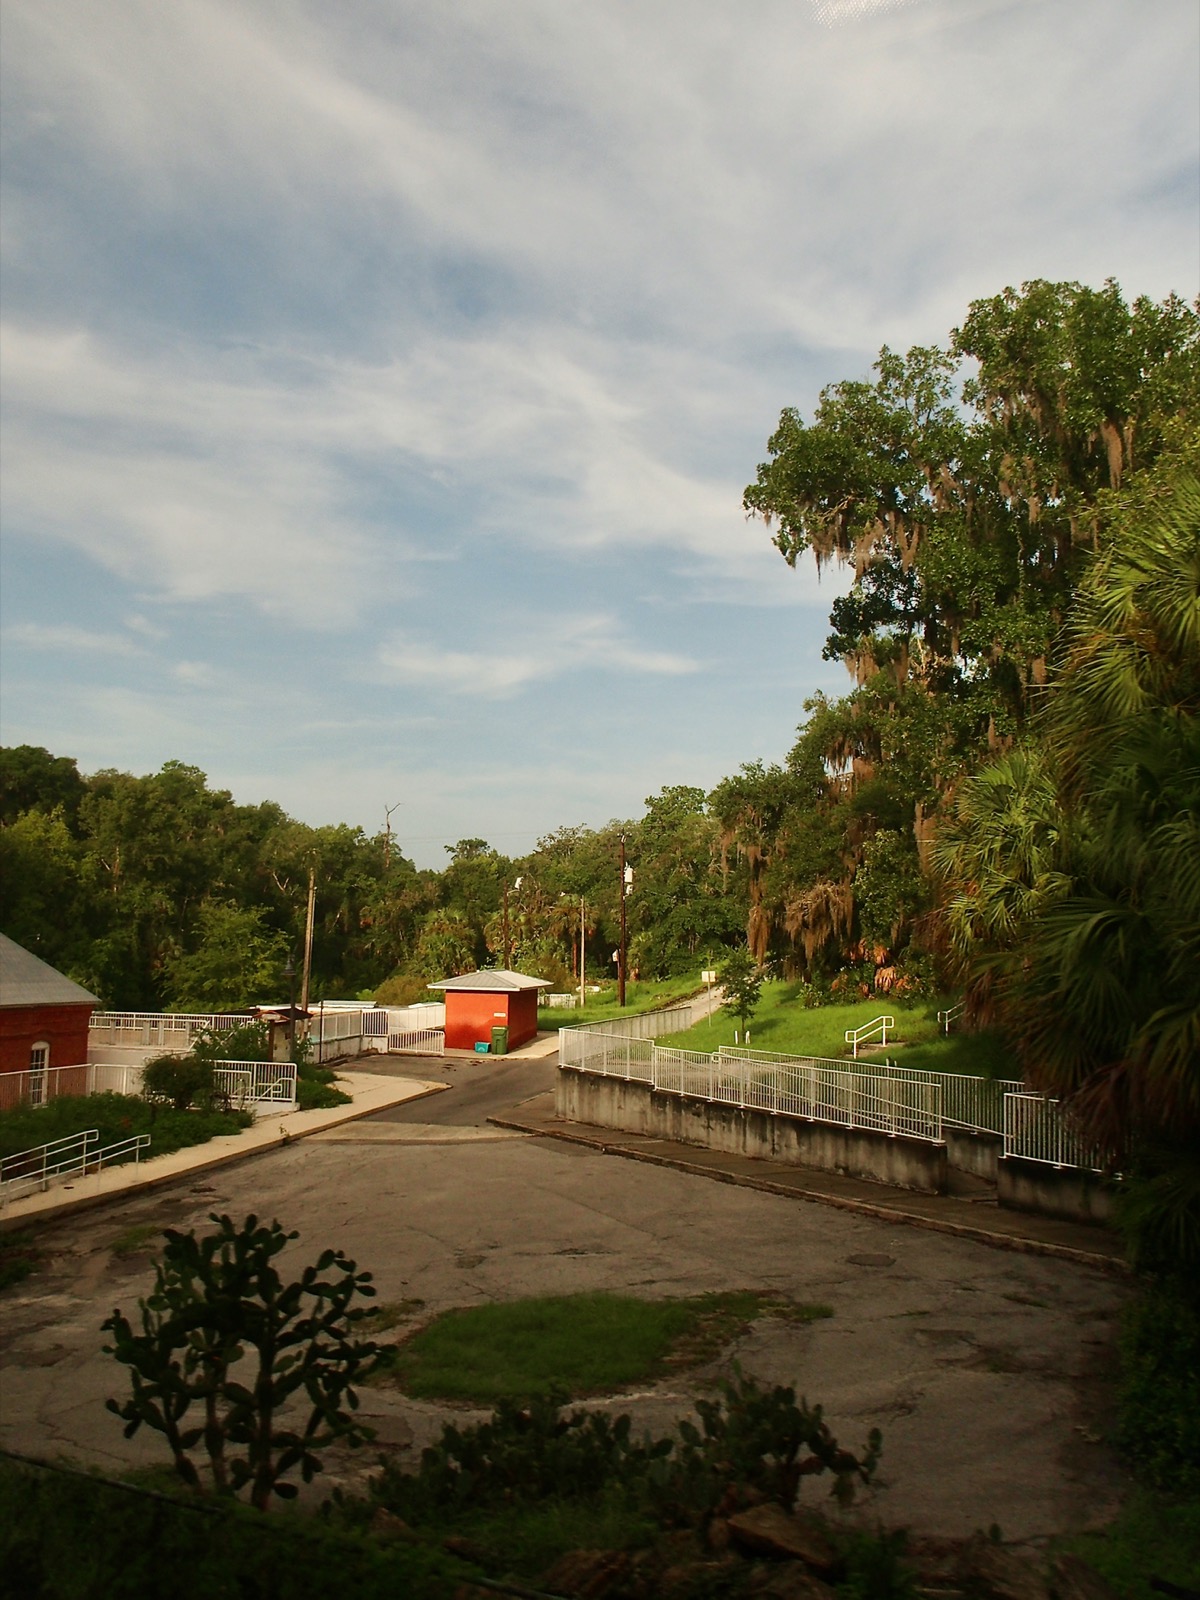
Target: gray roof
column 492, row 982
column 27, row 980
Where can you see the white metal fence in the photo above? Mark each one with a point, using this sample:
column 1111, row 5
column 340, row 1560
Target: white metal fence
column 172, row 1030
column 816, row 1090
column 418, row 1042
column 29, row 1171
column 256, row 1083
column 910, row 1100
column 975, row 1105
column 654, row 1024
column 1036, row 1130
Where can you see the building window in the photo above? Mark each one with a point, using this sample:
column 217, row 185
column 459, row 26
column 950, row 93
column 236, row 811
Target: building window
column 39, row 1061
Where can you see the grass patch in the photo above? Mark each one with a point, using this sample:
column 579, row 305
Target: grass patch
column 19, row 1256
column 116, row 1117
column 1155, row 1536
column 134, row 1239
column 389, row 1315
column 640, row 996
column 582, row 1344
column 784, row 1023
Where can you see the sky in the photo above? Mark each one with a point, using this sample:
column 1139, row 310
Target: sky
column 380, row 381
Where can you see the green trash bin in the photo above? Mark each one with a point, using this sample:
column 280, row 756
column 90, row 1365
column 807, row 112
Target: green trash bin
column 499, row 1041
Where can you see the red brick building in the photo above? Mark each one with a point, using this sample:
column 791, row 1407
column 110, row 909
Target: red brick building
column 481, row 1001
column 43, row 1029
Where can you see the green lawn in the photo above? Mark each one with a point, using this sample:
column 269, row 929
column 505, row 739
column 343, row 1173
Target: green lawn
column 582, row 1344
column 782, row 1022
column 641, row 996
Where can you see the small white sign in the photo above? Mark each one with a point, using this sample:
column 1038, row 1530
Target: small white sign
column 708, row 977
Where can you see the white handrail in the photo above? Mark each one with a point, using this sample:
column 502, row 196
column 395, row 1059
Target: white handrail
column 854, row 1036
column 950, row 1015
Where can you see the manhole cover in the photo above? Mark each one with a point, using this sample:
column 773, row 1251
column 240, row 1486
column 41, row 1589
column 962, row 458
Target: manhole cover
column 871, row 1261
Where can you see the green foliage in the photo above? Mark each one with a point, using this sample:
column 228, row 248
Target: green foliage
column 758, row 1439
column 1160, row 1384
column 217, row 1300
column 742, row 981
column 249, row 1041
column 178, row 1081
column 115, row 1117
column 583, row 1343
column 19, row 1256
column 70, row 1535
column 875, row 1568
column 1158, row 1209
column 751, row 1442
column 1156, row 1535
column 315, row 1089
column 236, row 962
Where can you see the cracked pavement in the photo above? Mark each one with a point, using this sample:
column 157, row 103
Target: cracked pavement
column 987, row 1371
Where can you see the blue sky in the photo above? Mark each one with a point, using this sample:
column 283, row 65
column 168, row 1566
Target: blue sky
column 380, row 381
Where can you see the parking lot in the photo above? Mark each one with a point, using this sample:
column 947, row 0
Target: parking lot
column 986, row 1370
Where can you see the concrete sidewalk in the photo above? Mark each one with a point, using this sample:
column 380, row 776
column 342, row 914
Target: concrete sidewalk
column 370, row 1093
column 978, row 1219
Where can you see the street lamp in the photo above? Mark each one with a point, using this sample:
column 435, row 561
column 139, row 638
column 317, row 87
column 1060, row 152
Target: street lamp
column 626, row 881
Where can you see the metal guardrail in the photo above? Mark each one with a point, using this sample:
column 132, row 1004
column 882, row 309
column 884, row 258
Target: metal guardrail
column 976, row 1105
column 256, row 1082
column 855, row 1036
column 28, row 1171
column 1035, row 1129
column 951, row 1014
column 813, row 1090
column 418, row 1042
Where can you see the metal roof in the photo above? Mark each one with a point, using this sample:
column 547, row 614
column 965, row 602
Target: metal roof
column 27, row 980
column 492, row 982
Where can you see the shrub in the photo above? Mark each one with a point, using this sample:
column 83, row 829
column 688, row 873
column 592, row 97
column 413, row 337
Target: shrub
column 178, row 1081
column 216, row 1300
column 1160, row 1384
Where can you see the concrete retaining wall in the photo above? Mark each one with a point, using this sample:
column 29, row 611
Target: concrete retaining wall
column 1064, row 1192
column 858, row 1153
column 977, row 1153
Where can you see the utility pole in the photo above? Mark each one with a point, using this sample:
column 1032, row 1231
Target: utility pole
column 387, row 833
column 582, row 955
column 308, row 936
column 621, row 958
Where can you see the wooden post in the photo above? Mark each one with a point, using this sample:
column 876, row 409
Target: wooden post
column 308, row 936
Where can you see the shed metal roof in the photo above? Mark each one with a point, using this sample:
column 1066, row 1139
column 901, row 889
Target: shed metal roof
column 27, row 980
column 492, row 982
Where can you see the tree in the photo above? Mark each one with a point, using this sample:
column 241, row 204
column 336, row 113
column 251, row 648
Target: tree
column 237, row 961
column 742, row 981
column 32, row 779
column 1088, row 934
column 216, row 1300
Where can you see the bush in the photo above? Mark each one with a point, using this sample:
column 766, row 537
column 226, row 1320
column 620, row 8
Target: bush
column 115, row 1117
column 178, row 1081
column 1160, row 1384
column 64, row 1533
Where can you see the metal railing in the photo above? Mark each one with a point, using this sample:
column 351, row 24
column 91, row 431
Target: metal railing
column 418, row 1042
column 1035, row 1129
column 951, row 1014
column 811, row 1089
column 43, row 1084
column 653, row 1024
column 976, row 1105
column 174, row 1028
column 246, row 1083
column 28, row 1171
column 855, row 1036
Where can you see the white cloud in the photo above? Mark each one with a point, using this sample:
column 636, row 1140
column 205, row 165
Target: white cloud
column 66, row 638
column 524, row 653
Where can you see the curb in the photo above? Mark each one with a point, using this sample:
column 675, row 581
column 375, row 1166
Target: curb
column 222, row 1158
column 866, row 1208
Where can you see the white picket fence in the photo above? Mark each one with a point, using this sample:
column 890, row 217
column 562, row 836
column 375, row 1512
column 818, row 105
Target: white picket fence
column 1035, row 1129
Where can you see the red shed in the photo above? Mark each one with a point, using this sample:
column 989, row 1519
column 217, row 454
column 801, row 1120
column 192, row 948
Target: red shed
column 481, row 1001
column 43, row 1029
